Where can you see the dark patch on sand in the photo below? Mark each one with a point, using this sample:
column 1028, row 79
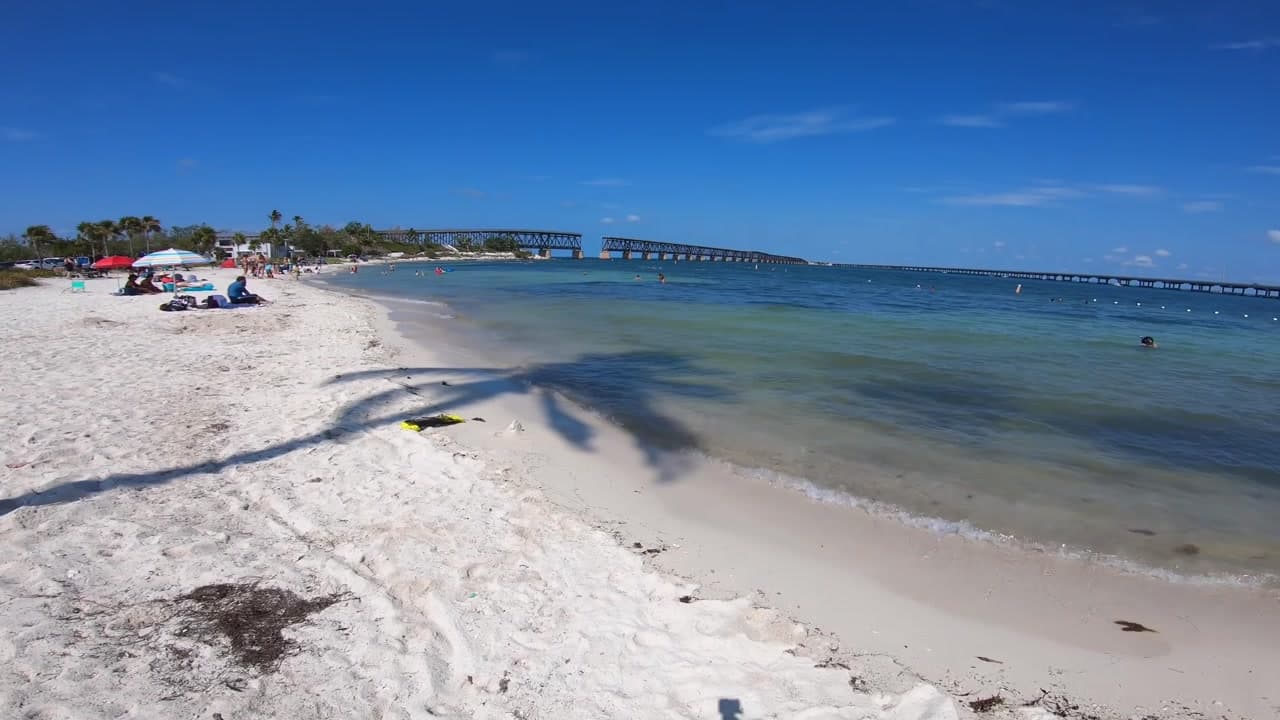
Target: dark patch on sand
column 982, row 705
column 250, row 618
column 1128, row 626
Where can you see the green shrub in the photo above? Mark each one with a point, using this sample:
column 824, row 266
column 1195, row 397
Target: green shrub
column 11, row 279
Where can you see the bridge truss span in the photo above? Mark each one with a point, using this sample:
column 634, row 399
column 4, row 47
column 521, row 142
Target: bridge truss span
column 654, row 249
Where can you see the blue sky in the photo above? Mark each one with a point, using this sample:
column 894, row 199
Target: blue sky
column 1047, row 135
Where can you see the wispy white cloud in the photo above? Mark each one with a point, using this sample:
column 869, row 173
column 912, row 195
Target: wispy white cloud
column 764, row 129
column 606, row 182
column 1120, row 250
column 1036, row 107
column 16, row 134
column 1140, row 261
column 633, row 218
column 1202, row 206
column 1030, row 197
column 998, row 243
column 1163, row 253
column 1009, row 199
column 606, row 220
column 1131, row 190
column 1250, row 45
column 1002, row 113
column 972, row 121
column 1264, row 169
column 472, row 193
column 1088, row 260
column 1274, row 236
column 169, row 79
column 1182, row 266
column 568, row 203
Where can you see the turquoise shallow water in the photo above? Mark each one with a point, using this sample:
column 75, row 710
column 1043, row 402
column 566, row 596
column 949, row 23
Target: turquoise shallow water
column 968, row 407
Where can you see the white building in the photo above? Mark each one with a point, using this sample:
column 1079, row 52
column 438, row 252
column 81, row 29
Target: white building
column 227, row 246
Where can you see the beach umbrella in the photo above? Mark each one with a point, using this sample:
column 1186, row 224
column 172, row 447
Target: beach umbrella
column 171, row 257
column 113, row 262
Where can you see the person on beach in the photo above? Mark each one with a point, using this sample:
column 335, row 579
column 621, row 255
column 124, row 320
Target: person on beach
column 1149, row 342
column 148, row 287
column 238, row 293
column 131, row 286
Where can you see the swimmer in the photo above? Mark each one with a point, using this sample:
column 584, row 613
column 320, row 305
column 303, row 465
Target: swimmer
column 1149, row 342
column 662, row 278
column 637, row 277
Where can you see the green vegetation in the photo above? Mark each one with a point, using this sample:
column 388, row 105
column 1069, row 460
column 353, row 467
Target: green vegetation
column 134, row 235
column 11, row 279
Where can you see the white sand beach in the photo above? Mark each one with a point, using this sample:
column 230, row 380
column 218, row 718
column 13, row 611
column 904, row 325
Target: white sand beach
column 531, row 565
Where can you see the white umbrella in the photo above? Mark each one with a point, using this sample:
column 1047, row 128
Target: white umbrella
column 172, row 256
column 169, row 258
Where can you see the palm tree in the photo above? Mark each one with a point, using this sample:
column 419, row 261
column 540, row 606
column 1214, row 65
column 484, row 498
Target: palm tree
column 151, row 226
column 275, row 217
column 37, row 234
column 298, row 222
column 85, row 232
column 107, row 230
column 131, row 226
column 204, row 238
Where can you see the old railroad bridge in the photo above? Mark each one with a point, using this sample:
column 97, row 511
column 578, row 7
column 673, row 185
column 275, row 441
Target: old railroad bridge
column 652, row 249
column 1228, row 288
column 544, row 241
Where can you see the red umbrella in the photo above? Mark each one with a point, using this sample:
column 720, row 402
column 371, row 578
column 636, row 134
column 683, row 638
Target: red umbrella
column 113, row 262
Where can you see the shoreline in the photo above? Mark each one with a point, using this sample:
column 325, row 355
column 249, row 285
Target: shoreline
column 1045, row 616
column 536, row 564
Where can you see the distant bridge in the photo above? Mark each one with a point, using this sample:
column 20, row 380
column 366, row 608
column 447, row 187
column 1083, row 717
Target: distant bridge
column 1252, row 290
column 544, row 241
column 650, row 249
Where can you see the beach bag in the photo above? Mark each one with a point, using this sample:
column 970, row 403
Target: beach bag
column 173, row 305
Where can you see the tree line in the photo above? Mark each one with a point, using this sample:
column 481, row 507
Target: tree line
column 132, row 236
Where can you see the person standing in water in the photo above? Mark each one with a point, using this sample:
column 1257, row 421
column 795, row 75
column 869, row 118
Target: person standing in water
column 662, row 278
column 1149, row 342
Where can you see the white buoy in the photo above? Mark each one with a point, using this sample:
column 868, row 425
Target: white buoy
column 1139, row 304
column 1161, row 307
column 1246, row 314
column 1215, row 312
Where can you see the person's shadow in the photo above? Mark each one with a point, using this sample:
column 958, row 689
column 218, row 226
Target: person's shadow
column 730, row 709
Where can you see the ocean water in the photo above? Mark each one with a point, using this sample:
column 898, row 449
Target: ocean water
column 947, row 400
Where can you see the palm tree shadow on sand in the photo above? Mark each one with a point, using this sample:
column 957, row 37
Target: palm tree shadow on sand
column 636, row 405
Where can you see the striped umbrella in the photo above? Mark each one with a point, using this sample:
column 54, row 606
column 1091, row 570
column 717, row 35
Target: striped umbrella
column 171, row 257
